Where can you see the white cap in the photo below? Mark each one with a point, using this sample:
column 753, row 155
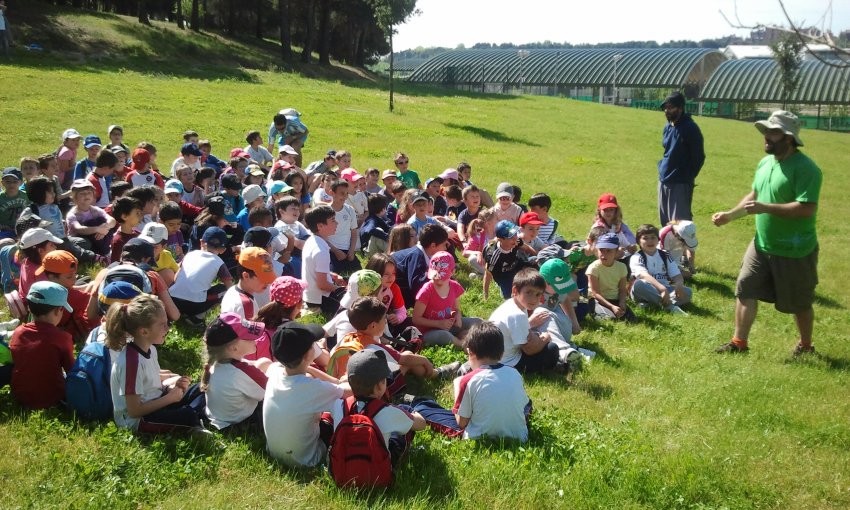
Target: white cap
column 70, row 133
column 291, row 112
column 154, row 233
column 252, row 192
column 287, row 149
column 687, row 231
column 36, row 236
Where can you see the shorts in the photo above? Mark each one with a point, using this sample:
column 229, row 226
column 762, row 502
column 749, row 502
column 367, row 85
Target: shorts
column 788, row 283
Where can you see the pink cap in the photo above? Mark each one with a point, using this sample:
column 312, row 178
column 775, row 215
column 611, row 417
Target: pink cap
column 287, row 290
column 442, row 266
column 230, row 326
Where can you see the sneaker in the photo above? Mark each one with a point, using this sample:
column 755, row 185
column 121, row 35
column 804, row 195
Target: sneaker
column 10, row 325
column 568, row 355
column 731, row 348
column 587, row 354
column 675, row 310
column 801, row 350
column 447, row 371
column 474, row 276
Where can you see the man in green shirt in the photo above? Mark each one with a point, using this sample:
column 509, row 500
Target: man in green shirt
column 780, row 265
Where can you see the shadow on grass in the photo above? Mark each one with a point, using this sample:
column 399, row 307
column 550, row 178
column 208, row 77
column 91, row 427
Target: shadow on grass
column 489, row 134
column 827, row 302
column 831, row 362
column 601, row 354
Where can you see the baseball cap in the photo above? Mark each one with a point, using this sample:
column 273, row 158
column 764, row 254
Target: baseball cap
column 229, row 326
column 116, row 292
column 552, row 251
column 70, row 133
column 173, row 186
column 432, row 179
column 353, row 177
column 368, row 367
column 154, row 233
column 506, row 229
column 92, row 141
column 29, row 220
column 530, row 218
column 215, row 205
column 449, row 173
column 607, row 201
column 787, row 122
column 420, row 196
column 81, row 184
column 287, row 149
column 279, row 187
column 239, row 153
column 11, row 171
column 127, row 273
column 231, row 181
column 255, row 170
column 361, row 283
column 504, row 190
column 137, row 249
column 388, row 173
column 556, row 272
column 36, row 236
column 292, row 340
column 190, row 149
column 215, row 237
column 287, row 290
column 252, row 192
column 58, row 261
column 259, row 261
column 609, row 241
column 442, row 266
column 687, row 230
column 115, row 149
column 675, row 99
column 257, row 236
column 140, row 157
column 331, row 154
column 113, row 127
column 49, row 293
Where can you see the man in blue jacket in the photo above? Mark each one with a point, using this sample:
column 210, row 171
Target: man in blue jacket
column 681, row 163
column 411, row 264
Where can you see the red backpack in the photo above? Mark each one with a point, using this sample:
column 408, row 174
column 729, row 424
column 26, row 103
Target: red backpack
column 358, row 456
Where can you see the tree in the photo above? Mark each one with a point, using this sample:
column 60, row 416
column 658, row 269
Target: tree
column 309, row 25
column 180, row 23
column 258, row 9
column 325, row 32
column 194, row 17
column 389, row 13
column 285, row 31
column 143, row 12
column 788, row 54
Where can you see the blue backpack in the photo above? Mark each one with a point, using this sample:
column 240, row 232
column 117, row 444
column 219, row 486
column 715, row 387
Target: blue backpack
column 87, row 384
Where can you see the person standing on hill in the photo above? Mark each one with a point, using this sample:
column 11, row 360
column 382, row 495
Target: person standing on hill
column 780, row 265
column 682, row 160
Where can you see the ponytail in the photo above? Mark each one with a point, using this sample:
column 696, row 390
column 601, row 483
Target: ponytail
column 123, row 319
column 274, row 314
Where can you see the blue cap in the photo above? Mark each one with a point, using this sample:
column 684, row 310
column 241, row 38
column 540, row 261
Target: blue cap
column 506, row 230
column 191, row 149
column 173, row 186
column 91, row 141
column 608, row 241
column 116, row 292
column 279, row 187
column 215, row 237
column 49, row 293
column 11, row 171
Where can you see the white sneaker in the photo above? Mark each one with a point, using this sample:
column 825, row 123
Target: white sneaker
column 587, row 354
column 568, row 355
column 474, row 276
column 675, row 310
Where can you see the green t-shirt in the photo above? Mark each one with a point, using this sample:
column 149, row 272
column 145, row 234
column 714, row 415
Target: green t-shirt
column 11, row 208
column 576, row 259
column 410, row 179
column 796, row 179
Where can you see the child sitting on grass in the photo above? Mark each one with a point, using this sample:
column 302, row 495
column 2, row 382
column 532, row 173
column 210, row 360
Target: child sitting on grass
column 35, row 243
column 322, row 283
column 390, row 293
column 375, row 232
column 609, row 215
column 127, row 212
column 193, row 290
column 60, row 267
column 88, row 221
column 234, row 388
column 40, row 192
column 607, row 281
column 41, row 351
column 679, row 239
column 540, row 203
column 288, row 211
column 163, row 261
column 481, row 231
column 401, row 237
column 143, row 397
column 505, row 208
column 501, row 258
column 472, row 200
column 658, row 279
column 256, row 273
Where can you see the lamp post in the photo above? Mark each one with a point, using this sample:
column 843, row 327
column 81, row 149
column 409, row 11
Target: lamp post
column 616, row 58
column 522, row 55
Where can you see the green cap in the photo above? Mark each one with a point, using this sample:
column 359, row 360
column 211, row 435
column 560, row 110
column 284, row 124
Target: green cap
column 556, row 272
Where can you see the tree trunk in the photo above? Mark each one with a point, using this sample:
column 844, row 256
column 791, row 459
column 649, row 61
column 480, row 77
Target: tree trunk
column 391, row 69
column 180, row 23
column 231, row 17
column 325, row 33
column 285, row 32
column 360, row 48
column 195, row 18
column 310, row 26
column 259, row 11
column 143, row 12
column 206, row 15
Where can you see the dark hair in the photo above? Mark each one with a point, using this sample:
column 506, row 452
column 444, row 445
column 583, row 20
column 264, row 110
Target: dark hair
column 119, row 189
column 376, row 204
column 274, row 315
column 365, row 311
column 40, row 309
column 291, row 176
column 31, row 253
column 251, row 136
column 258, row 214
column 454, row 192
column 124, row 206
column 45, row 159
column 432, row 234
column 529, row 277
column 485, row 340
column 144, row 194
column 462, row 166
column 37, row 190
column 319, row 214
column 379, row 262
column 170, row 211
column 339, row 184
column 106, row 159
column 286, row 202
column 540, row 200
column 398, row 187
column 189, row 134
column 400, row 237
column 147, row 146
column 204, row 173
column 595, row 232
column 517, row 193
column 646, row 229
column 373, row 171
column 279, row 119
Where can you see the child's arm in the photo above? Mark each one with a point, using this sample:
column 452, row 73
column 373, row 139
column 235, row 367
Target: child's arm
column 419, row 422
column 419, row 319
column 595, row 292
column 323, row 283
column 171, row 310
column 417, row 364
column 315, row 373
column 458, row 315
column 352, row 245
column 486, row 282
column 678, row 282
column 569, row 309
column 461, row 421
column 660, row 287
column 137, row 409
column 623, row 295
column 535, row 342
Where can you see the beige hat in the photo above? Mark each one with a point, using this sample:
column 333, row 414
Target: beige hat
column 787, row 122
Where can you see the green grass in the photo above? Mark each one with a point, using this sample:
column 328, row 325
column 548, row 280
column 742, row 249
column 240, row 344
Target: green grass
column 656, row 421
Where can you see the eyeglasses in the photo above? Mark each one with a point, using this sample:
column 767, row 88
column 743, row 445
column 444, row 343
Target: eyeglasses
column 404, row 162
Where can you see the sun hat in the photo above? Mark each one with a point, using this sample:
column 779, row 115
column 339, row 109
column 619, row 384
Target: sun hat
column 449, row 173
column 361, row 283
column 287, row 290
column 259, row 261
column 504, row 190
column 607, row 201
column 389, row 173
column 229, row 326
column 786, row 122
column 112, row 128
column 70, row 133
column 506, row 230
column 252, row 192
column 608, row 241
column 255, row 170
column 441, row 266
column 49, row 293
column 287, row 149
column 154, row 233
column 687, row 230
column 58, row 261
column 36, row 236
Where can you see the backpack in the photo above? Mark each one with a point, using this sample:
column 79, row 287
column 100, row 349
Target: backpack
column 358, row 456
column 87, row 389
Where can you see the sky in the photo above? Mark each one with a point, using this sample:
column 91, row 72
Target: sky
column 449, row 23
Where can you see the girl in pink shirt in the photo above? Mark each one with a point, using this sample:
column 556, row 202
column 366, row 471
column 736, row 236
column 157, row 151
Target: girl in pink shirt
column 480, row 231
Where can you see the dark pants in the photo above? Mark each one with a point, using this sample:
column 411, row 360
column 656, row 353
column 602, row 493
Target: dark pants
column 674, row 202
column 99, row 246
column 214, row 296
column 344, row 267
column 83, row 256
column 179, row 416
column 543, row 360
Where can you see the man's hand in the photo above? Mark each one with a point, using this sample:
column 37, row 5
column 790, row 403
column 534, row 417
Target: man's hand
column 720, row 218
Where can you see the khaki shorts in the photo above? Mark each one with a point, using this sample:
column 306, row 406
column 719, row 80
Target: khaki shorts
column 788, row 283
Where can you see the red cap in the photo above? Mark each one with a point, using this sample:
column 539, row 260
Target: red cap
column 239, row 153
column 530, row 218
column 607, row 201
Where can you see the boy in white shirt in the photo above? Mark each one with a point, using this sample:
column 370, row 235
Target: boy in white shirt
column 343, row 242
column 257, row 273
column 322, row 282
column 356, row 196
column 658, row 280
column 256, row 150
column 193, row 291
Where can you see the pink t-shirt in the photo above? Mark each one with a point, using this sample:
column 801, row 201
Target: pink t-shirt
column 436, row 307
column 28, row 277
column 66, row 154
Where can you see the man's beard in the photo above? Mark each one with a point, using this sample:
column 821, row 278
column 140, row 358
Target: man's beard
column 780, row 147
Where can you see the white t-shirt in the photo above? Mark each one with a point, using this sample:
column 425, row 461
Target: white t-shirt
column 494, row 400
column 655, row 266
column 317, row 259
column 133, row 373
column 234, row 391
column 179, row 161
column 358, row 202
column 346, row 221
column 297, row 229
column 197, row 273
column 513, row 323
column 321, row 197
column 389, row 420
column 232, row 302
column 261, row 155
column 104, row 197
column 291, row 410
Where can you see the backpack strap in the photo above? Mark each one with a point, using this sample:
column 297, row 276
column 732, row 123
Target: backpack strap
column 373, row 407
column 247, row 303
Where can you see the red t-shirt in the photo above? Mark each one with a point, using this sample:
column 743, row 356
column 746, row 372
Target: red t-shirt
column 78, row 323
column 41, row 351
column 118, row 242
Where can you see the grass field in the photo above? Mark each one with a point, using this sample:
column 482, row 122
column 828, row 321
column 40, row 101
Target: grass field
column 655, row 421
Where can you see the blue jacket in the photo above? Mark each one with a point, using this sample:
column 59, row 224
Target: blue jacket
column 374, row 226
column 411, row 267
column 683, row 152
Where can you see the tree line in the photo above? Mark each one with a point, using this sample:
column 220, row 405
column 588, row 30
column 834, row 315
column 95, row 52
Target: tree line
column 355, row 32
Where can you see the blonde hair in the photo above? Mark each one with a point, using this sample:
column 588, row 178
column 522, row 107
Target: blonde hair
column 405, row 205
column 401, row 238
column 213, row 354
column 122, row 320
column 478, row 223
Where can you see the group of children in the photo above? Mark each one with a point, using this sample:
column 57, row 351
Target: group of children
column 267, row 241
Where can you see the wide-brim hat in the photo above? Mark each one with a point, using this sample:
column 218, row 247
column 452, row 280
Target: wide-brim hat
column 787, row 122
